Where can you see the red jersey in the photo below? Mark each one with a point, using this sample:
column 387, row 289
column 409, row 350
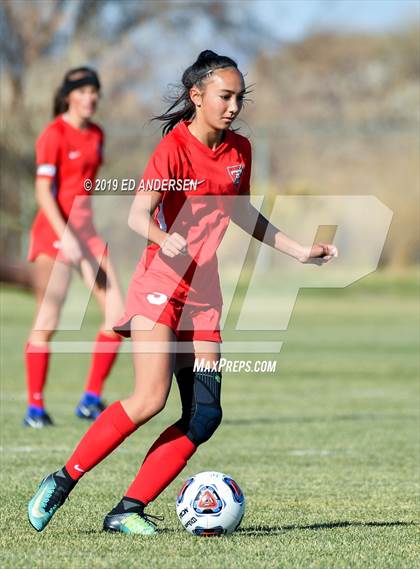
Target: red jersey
column 198, row 186
column 69, row 156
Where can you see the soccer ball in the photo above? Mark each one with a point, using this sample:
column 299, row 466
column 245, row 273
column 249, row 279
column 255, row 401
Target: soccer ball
column 210, row 504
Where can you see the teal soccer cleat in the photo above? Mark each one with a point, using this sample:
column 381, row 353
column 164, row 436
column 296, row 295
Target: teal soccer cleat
column 45, row 502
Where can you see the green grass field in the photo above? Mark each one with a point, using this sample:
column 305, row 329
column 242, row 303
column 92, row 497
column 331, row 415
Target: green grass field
column 325, row 449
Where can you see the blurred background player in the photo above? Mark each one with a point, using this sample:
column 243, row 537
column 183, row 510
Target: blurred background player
column 63, row 238
column 175, row 293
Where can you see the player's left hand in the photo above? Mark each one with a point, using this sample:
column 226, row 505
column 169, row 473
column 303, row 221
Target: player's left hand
column 319, row 254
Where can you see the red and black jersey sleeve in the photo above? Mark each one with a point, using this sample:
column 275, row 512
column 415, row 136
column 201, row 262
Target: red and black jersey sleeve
column 48, row 152
column 245, row 187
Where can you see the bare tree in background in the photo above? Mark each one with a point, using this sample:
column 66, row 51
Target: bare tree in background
column 35, row 29
column 30, row 30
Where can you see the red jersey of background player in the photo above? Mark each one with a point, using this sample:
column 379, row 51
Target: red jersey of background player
column 201, row 219
column 69, row 156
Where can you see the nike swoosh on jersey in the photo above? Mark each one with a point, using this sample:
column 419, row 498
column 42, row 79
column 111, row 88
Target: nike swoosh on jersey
column 74, row 154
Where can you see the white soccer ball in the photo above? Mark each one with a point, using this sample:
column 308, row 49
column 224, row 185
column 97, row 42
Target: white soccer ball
column 210, row 504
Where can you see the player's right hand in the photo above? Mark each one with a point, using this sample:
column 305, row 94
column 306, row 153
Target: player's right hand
column 319, row 254
column 71, row 248
column 173, row 245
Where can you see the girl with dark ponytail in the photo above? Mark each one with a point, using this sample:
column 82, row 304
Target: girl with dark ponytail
column 182, row 107
column 197, row 179
column 69, row 152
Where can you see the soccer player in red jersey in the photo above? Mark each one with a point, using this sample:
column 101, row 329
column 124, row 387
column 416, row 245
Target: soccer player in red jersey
column 174, row 294
column 69, row 151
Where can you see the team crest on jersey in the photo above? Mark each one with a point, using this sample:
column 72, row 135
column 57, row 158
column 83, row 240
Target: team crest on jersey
column 235, row 172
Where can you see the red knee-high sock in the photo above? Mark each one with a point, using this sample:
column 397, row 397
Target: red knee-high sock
column 108, row 431
column 36, row 363
column 104, row 355
column 164, row 461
